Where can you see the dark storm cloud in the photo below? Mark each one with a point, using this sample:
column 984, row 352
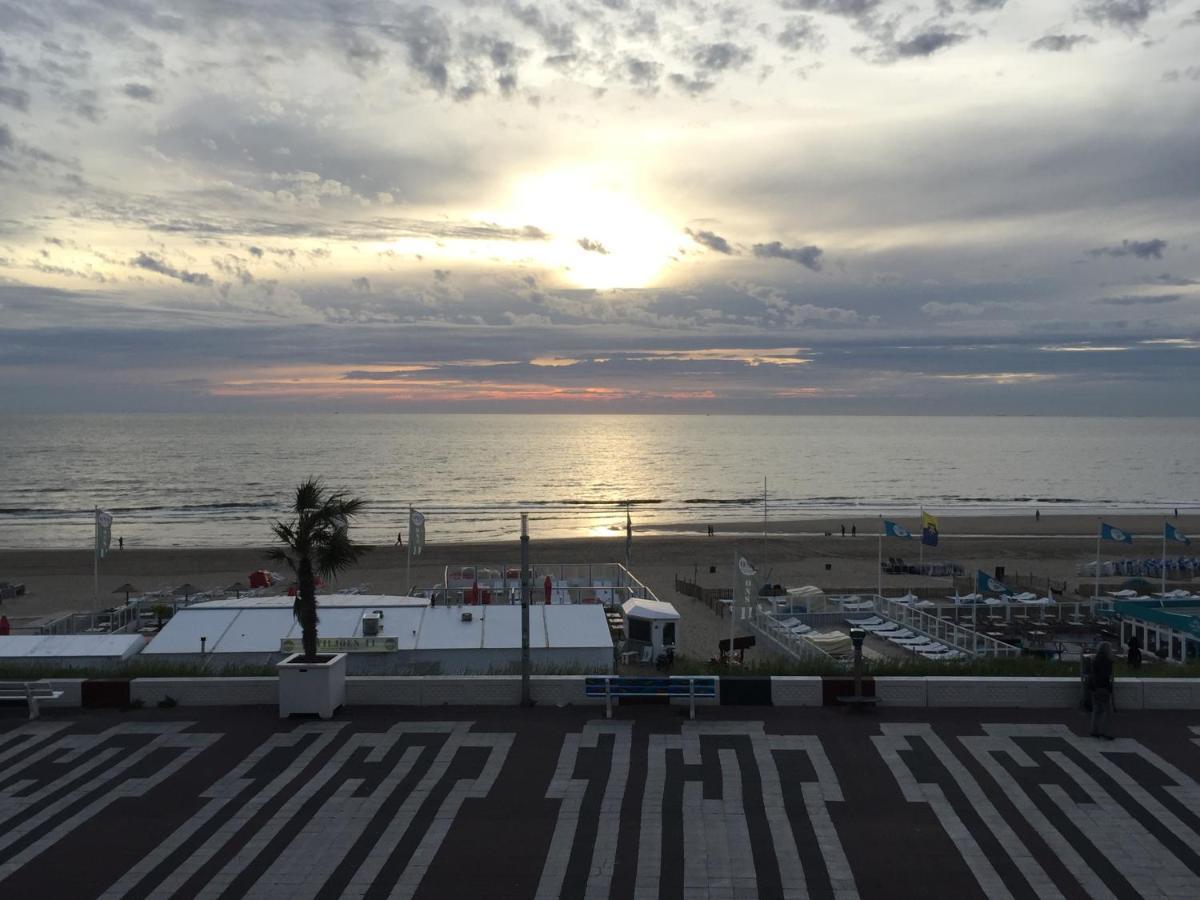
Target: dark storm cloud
column 721, row 56
column 850, row 9
column 559, row 37
column 1172, row 280
column 711, row 241
column 977, row 6
column 801, row 33
column 1061, row 43
column 643, row 73
column 926, row 43
column 1151, row 249
column 1141, row 299
column 1126, row 15
column 156, row 264
column 693, row 87
column 808, row 256
column 139, row 91
column 17, row 98
column 592, row 246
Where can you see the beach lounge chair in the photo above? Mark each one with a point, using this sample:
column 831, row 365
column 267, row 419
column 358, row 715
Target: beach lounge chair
column 861, row 623
column 788, row 623
column 800, row 629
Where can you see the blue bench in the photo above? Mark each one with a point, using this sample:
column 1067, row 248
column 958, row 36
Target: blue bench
column 690, row 686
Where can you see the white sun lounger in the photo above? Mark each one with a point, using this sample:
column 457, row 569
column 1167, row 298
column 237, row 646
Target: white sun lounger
column 800, row 629
column 787, row 623
column 863, row 623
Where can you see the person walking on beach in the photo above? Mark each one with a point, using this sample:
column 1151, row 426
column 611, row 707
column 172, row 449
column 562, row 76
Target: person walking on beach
column 843, row 531
column 400, row 539
column 1100, row 684
column 1134, row 652
column 1037, row 515
column 121, row 543
column 853, row 531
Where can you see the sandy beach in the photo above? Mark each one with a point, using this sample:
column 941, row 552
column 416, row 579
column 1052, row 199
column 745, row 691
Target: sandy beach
column 796, row 552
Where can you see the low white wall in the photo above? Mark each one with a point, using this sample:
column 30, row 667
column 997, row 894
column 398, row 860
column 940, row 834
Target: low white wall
column 207, row 691
column 901, row 691
column 797, row 690
column 72, row 692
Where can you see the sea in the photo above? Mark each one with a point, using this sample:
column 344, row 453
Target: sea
column 219, row 480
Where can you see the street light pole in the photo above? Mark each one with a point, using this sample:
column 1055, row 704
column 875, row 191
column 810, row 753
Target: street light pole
column 526, row 699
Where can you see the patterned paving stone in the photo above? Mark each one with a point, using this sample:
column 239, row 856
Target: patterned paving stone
column 543, row 804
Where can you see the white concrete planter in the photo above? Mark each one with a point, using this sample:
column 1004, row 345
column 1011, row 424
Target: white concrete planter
column 309, row 688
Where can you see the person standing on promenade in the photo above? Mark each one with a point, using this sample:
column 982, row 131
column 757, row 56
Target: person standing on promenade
column 1100, row 683
column 1134, row 655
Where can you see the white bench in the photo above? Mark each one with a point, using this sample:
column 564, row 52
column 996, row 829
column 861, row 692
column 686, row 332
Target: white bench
column 29, row 692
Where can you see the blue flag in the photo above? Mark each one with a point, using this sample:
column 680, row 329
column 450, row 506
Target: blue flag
column 1113, row 533
column 985, row 583
column 1171, row 533
column 892, row 529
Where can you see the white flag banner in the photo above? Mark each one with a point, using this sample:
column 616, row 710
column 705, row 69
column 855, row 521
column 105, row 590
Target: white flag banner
column 744, row 587
column 416, row 532
column 104, row 521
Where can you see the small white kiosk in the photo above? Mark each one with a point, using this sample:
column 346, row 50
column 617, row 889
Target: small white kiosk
column 652, row 625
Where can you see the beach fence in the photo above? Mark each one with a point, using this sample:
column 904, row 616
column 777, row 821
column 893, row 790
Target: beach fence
column 710, row 597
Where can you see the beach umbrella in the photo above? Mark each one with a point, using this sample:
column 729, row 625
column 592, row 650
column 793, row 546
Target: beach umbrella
column 126, row 589
column 186, row 590
column 237, row 587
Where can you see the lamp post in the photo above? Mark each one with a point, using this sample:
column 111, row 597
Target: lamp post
column 526, row 699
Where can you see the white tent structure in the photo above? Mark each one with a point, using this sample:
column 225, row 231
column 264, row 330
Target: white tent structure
column 651, row 623
column 72, row 651
column 384, row 635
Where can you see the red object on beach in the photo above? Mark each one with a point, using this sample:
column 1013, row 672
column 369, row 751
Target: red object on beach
column 5, row 627
column 292, row 591
column 473, row 594
column 260, row 579
column 548, row 584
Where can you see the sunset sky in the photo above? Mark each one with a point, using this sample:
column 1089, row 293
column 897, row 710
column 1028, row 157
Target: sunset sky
column 960, row 206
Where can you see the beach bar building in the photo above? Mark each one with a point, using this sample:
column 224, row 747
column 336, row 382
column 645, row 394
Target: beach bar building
column 1166, row 627
column 384, row 635
column 651, row 625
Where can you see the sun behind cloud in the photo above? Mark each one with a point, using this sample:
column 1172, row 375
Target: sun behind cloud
column 602, row 235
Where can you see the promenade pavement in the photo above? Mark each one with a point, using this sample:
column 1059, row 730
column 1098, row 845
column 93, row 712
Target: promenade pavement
column 545, row 803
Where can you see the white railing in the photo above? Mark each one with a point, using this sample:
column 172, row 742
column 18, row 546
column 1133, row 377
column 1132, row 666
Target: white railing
column 767, row 627
column 947, row 632
column 608, row 584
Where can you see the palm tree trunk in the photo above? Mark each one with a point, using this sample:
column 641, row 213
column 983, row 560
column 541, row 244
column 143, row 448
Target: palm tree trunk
column 306, row 608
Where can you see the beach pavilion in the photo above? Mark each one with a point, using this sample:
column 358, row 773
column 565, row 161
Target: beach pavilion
column 1167, row 625
column 651, row 625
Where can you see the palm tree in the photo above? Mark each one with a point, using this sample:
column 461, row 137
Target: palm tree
column 316, row 542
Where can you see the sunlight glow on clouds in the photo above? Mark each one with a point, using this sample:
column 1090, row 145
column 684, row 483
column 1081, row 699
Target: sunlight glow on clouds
column 833, row 206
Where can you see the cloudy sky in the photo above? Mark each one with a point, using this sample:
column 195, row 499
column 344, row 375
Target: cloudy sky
column 858, row 206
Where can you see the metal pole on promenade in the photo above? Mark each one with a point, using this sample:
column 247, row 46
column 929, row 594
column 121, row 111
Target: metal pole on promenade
column 1096, row 595
column 526, row 699
column 408, row 558
column 96, row 562
column 733, row 606
column 1164, row 562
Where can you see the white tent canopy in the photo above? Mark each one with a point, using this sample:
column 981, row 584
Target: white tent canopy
column 655, row 610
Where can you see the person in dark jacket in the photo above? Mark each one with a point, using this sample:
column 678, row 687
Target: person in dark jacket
column 1100, row 683
column 1134, row 652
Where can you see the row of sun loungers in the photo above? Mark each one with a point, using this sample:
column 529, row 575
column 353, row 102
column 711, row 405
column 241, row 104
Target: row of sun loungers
column 905, row 639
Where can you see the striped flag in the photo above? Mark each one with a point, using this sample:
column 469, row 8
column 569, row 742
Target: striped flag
column 416, row 532
column 104, row 522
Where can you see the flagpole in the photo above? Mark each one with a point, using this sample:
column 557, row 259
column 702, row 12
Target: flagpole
column 1096, row 595
column 922, row 521
column 879, row 571
column 96, row 561
column 408, row 558
column 733, row 607
column 764, row 559
column 1164, row 560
